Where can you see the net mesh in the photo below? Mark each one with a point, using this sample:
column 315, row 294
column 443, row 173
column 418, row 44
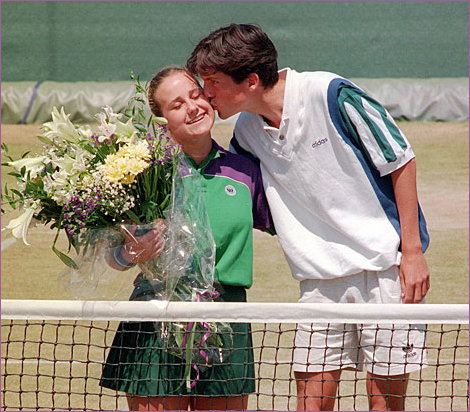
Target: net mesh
column 57, row 364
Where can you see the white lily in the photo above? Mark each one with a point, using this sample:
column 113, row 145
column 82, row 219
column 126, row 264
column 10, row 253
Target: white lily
column 32, row 164
column 107, row 115
column 81, row 162
column 113, row 117
column 125, row 131
column 57, row 185
column 61, row 126
column 106, row 130
column 64, row 163
column 60, row 178
column 20, row 225
column 85, row 131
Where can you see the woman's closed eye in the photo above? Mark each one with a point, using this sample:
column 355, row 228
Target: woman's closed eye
column 195, row 94
column 175, row 106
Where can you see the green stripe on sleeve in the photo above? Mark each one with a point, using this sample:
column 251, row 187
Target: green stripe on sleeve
column 354, row 98
column 391, row 126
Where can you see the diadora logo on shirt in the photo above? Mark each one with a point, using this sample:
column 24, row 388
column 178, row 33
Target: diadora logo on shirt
column 318, row 143
column 230, row 190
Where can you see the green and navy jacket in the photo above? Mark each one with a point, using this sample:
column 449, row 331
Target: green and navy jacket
column 235, row 203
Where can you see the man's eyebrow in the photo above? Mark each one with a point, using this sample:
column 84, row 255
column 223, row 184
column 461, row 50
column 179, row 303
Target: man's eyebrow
column 208, row 76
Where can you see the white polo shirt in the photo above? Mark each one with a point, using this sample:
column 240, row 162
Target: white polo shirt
column 327, row 180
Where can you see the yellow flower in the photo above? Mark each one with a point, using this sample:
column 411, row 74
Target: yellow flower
column 110, row 169
column 113, row 173
column 126, row 164
column 137, row 151
column 133, row 168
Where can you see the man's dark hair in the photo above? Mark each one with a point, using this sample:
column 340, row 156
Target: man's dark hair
column 236, row 50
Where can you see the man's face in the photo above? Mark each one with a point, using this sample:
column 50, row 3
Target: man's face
column 225, row 96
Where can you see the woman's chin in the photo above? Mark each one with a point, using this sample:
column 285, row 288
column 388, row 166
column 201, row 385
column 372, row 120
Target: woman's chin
column 204, row 126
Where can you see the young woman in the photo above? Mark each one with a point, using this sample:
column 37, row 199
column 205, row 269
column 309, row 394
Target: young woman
column 138, row 364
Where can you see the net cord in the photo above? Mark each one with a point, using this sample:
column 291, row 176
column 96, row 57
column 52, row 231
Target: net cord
column 256, row 312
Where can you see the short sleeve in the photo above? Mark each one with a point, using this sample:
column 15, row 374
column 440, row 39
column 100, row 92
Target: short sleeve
column 374, row 130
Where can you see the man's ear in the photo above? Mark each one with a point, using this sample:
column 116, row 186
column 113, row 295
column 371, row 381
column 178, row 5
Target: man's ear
column 253, row 81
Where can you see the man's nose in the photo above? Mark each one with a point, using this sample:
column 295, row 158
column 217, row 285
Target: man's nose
column 209, row 93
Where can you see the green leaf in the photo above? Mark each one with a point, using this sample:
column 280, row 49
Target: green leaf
column 12, row 202
column 44, row 139
column 179, row 336
column 161, row 120
column 17, row 193
column 64, row 258
column 14, row 174
column 140, row 128
column 133, row 217
column 165, row 202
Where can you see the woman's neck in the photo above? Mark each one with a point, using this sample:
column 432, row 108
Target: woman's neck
column 199, row 149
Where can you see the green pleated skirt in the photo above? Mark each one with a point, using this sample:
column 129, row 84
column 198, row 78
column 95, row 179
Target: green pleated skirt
column 140, row 360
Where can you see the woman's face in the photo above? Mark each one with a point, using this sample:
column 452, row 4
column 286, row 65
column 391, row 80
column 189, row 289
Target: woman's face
column 184, row 105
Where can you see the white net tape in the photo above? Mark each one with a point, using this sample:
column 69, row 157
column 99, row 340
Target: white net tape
column 234, row 312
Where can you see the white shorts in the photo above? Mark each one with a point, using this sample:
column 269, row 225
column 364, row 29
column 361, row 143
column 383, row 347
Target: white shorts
column 384, row 349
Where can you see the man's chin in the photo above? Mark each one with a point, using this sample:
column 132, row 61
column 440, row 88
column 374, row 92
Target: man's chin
column 222, row 115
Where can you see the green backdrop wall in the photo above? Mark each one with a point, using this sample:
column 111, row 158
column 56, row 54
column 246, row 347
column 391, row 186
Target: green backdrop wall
column 70, row 41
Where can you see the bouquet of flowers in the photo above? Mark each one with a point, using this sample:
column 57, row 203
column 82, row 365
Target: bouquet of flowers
column 88, row 179
column 91, row 184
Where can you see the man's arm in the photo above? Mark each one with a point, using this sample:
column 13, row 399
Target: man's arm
column 363, row 114
column 414, row 272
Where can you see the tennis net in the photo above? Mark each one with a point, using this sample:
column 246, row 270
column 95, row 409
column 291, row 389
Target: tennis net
column 53, row 352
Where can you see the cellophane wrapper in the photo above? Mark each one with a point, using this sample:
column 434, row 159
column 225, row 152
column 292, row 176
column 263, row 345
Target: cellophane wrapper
column 184, row 271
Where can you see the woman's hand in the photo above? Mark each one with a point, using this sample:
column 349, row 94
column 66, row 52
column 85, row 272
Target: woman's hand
column 143, row 248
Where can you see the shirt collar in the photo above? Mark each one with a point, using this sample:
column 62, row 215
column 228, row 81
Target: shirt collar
column 216, row 151
column 220, row 150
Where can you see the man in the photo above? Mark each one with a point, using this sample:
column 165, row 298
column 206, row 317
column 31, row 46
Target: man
column 340, row 178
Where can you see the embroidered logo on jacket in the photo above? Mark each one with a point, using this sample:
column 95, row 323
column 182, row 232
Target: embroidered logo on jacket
column 230, row 190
